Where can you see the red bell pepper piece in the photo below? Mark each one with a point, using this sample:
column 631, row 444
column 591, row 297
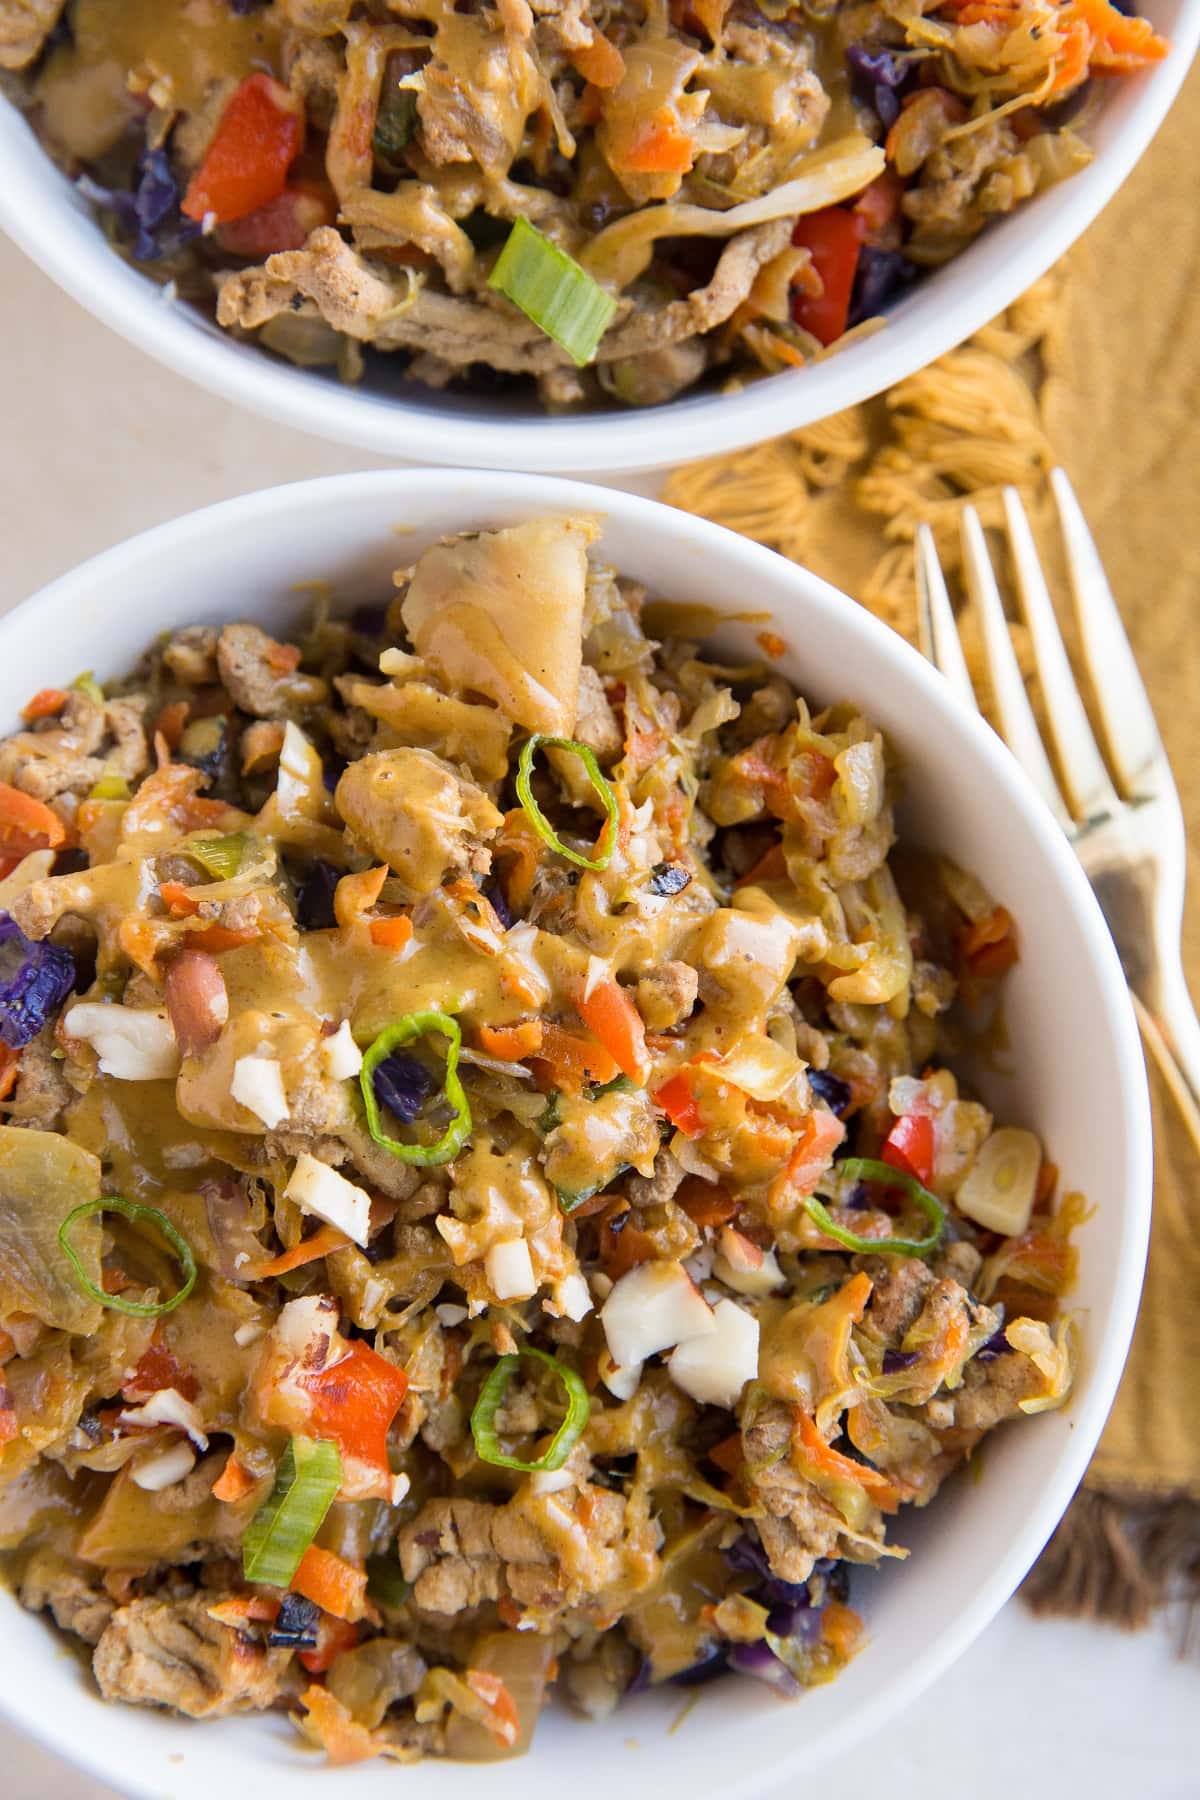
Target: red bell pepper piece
column 260, row 135
column 354, row 1402
column 833, row 237
column 676, row 1099
column 910, row 1146
column 283, row 223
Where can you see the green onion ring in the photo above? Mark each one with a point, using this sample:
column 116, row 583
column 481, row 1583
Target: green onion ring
column 411, row 1026
column 537, row 817
column 553, row 290
column 491, row 1395
column 865, row 1168
column 129, row 1209
column 306, row 1481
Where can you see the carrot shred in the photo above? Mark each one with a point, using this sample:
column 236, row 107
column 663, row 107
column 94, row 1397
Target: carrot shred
column 323, row 1242
column 599, row 62
column 505, row 1724
column 333, row 1584
column 841, row 1628
column 216, row 938
column 660, row 149
column 828, row 1461
column 613, row 1019
column 356, row 894
column 27, row 822
column 46, row 703
column 570, row 1060
column 234, row 1482
column 729, row 1454
column 178, row 902
column 771, row 866
column 520, row 847
column 170, row 723
column 393, row 933
column 511, row 1043
column 10, row 1065
column 770, row 643
column 344, row 1740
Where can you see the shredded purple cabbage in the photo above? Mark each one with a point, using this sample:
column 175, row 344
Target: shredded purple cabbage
column 996, row 1345
column 878, row 76
column 35, row 979
column 831, row 1089
column 402, row 1084
column 147, row 216
column 707, row 1669
column 493, row 892
column 761, row 1661
column 880, row 276
column 314, row 897
column 896, row 1360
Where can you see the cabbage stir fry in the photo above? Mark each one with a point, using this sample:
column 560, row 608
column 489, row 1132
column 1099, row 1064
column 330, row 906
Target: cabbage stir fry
column 610, row 199
column 483, row 1205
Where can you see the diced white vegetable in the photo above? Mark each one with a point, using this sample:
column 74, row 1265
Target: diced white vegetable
column 761, row 1068
column 550, row 1481
column 715, row 1368
column 745, row 1268
column 165, row 1468
column 258, row 1086
column 400, row 1485
column 133, row 1043
column 621, row 1383
column 597, row 971
column 651, row 1308
column 248, row 1334
column 572, row 1298
column 510, row 1270
column 168, row 1407
column 600, row 1284
column 300, row 784
column 999, row 1188
column 449, row 1314
column 304, row 1323
column 340, row 1054
column 321, row 1191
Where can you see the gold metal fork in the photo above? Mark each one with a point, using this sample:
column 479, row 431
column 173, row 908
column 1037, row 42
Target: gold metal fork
column 1120, row 811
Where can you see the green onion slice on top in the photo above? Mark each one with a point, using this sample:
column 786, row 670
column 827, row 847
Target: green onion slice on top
column 491, row 1397
column 130, row 1209
column 537, row 817
column 306, row 1481
column 866, row 1168
column 220, row 856
column 553, row 290
column 415, row 1025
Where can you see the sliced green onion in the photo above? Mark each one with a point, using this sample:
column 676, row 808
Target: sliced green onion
column 491, row 1396
column 110, row 787
column 865, row 1168
column 308, row 1477
column 87, row 684
column 129, row 1209
column 553, row 290
column 537, row 817
column 220, row 856
column 414, row 1025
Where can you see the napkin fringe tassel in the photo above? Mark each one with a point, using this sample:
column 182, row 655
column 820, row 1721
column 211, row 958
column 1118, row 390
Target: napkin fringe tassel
column 1118, row 1559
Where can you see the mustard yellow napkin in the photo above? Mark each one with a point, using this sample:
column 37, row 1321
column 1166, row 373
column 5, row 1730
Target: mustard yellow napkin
column 1097, row 367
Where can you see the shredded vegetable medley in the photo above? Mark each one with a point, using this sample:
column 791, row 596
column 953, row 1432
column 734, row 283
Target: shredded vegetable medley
column 484, row 1207
column 610, row 199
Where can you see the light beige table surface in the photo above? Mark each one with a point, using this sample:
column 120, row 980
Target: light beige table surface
column 99, row 443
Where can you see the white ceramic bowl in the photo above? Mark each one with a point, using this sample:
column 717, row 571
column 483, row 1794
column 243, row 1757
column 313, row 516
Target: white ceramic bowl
column 1077, row 1077
column 42, row 213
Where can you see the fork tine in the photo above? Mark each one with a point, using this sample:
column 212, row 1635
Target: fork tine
column 1017, row 722
column 1129, row 724
column 939, row 634
column 1079, row 755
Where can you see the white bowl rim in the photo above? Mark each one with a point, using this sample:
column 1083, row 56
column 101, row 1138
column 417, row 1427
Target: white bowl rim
column 403, row 491
column 603, row 442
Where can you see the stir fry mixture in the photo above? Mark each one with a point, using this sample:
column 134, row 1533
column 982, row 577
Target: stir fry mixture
column 607, row 198
column 482, row 1201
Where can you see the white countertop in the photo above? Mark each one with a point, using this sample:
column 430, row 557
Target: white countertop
column 101, row 443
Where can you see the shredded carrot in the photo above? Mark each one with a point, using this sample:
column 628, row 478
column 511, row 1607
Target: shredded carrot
column 323, row 1242
column 520, row 848
column 812, row 1153
column 613, row 1019
column 178, row 902
column 1120, row 44
column 623, row 1245
column 1074, row 58
column 841, row 1628
column 571, row 1060
column 10, row 1065
column 283, row 659
column 333, row 1636
column 771, row 866
column 771, row 644
column 504, row 1723
column 393, row 933
column 234, row 1482
column 989, row 946
column 216, row 938
column 170, row 723
column 45, row 704
column 26, row 824
column 357, row 894
column 194, row 812
column 661, row 148
column 827, row 1461
column 343, row 1738
column 599, row 62
column 729, row 1454
column 511, row 1043
column 333, row 1584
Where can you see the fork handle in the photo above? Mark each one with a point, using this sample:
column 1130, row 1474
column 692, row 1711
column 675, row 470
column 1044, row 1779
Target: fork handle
column 1171, row 1033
